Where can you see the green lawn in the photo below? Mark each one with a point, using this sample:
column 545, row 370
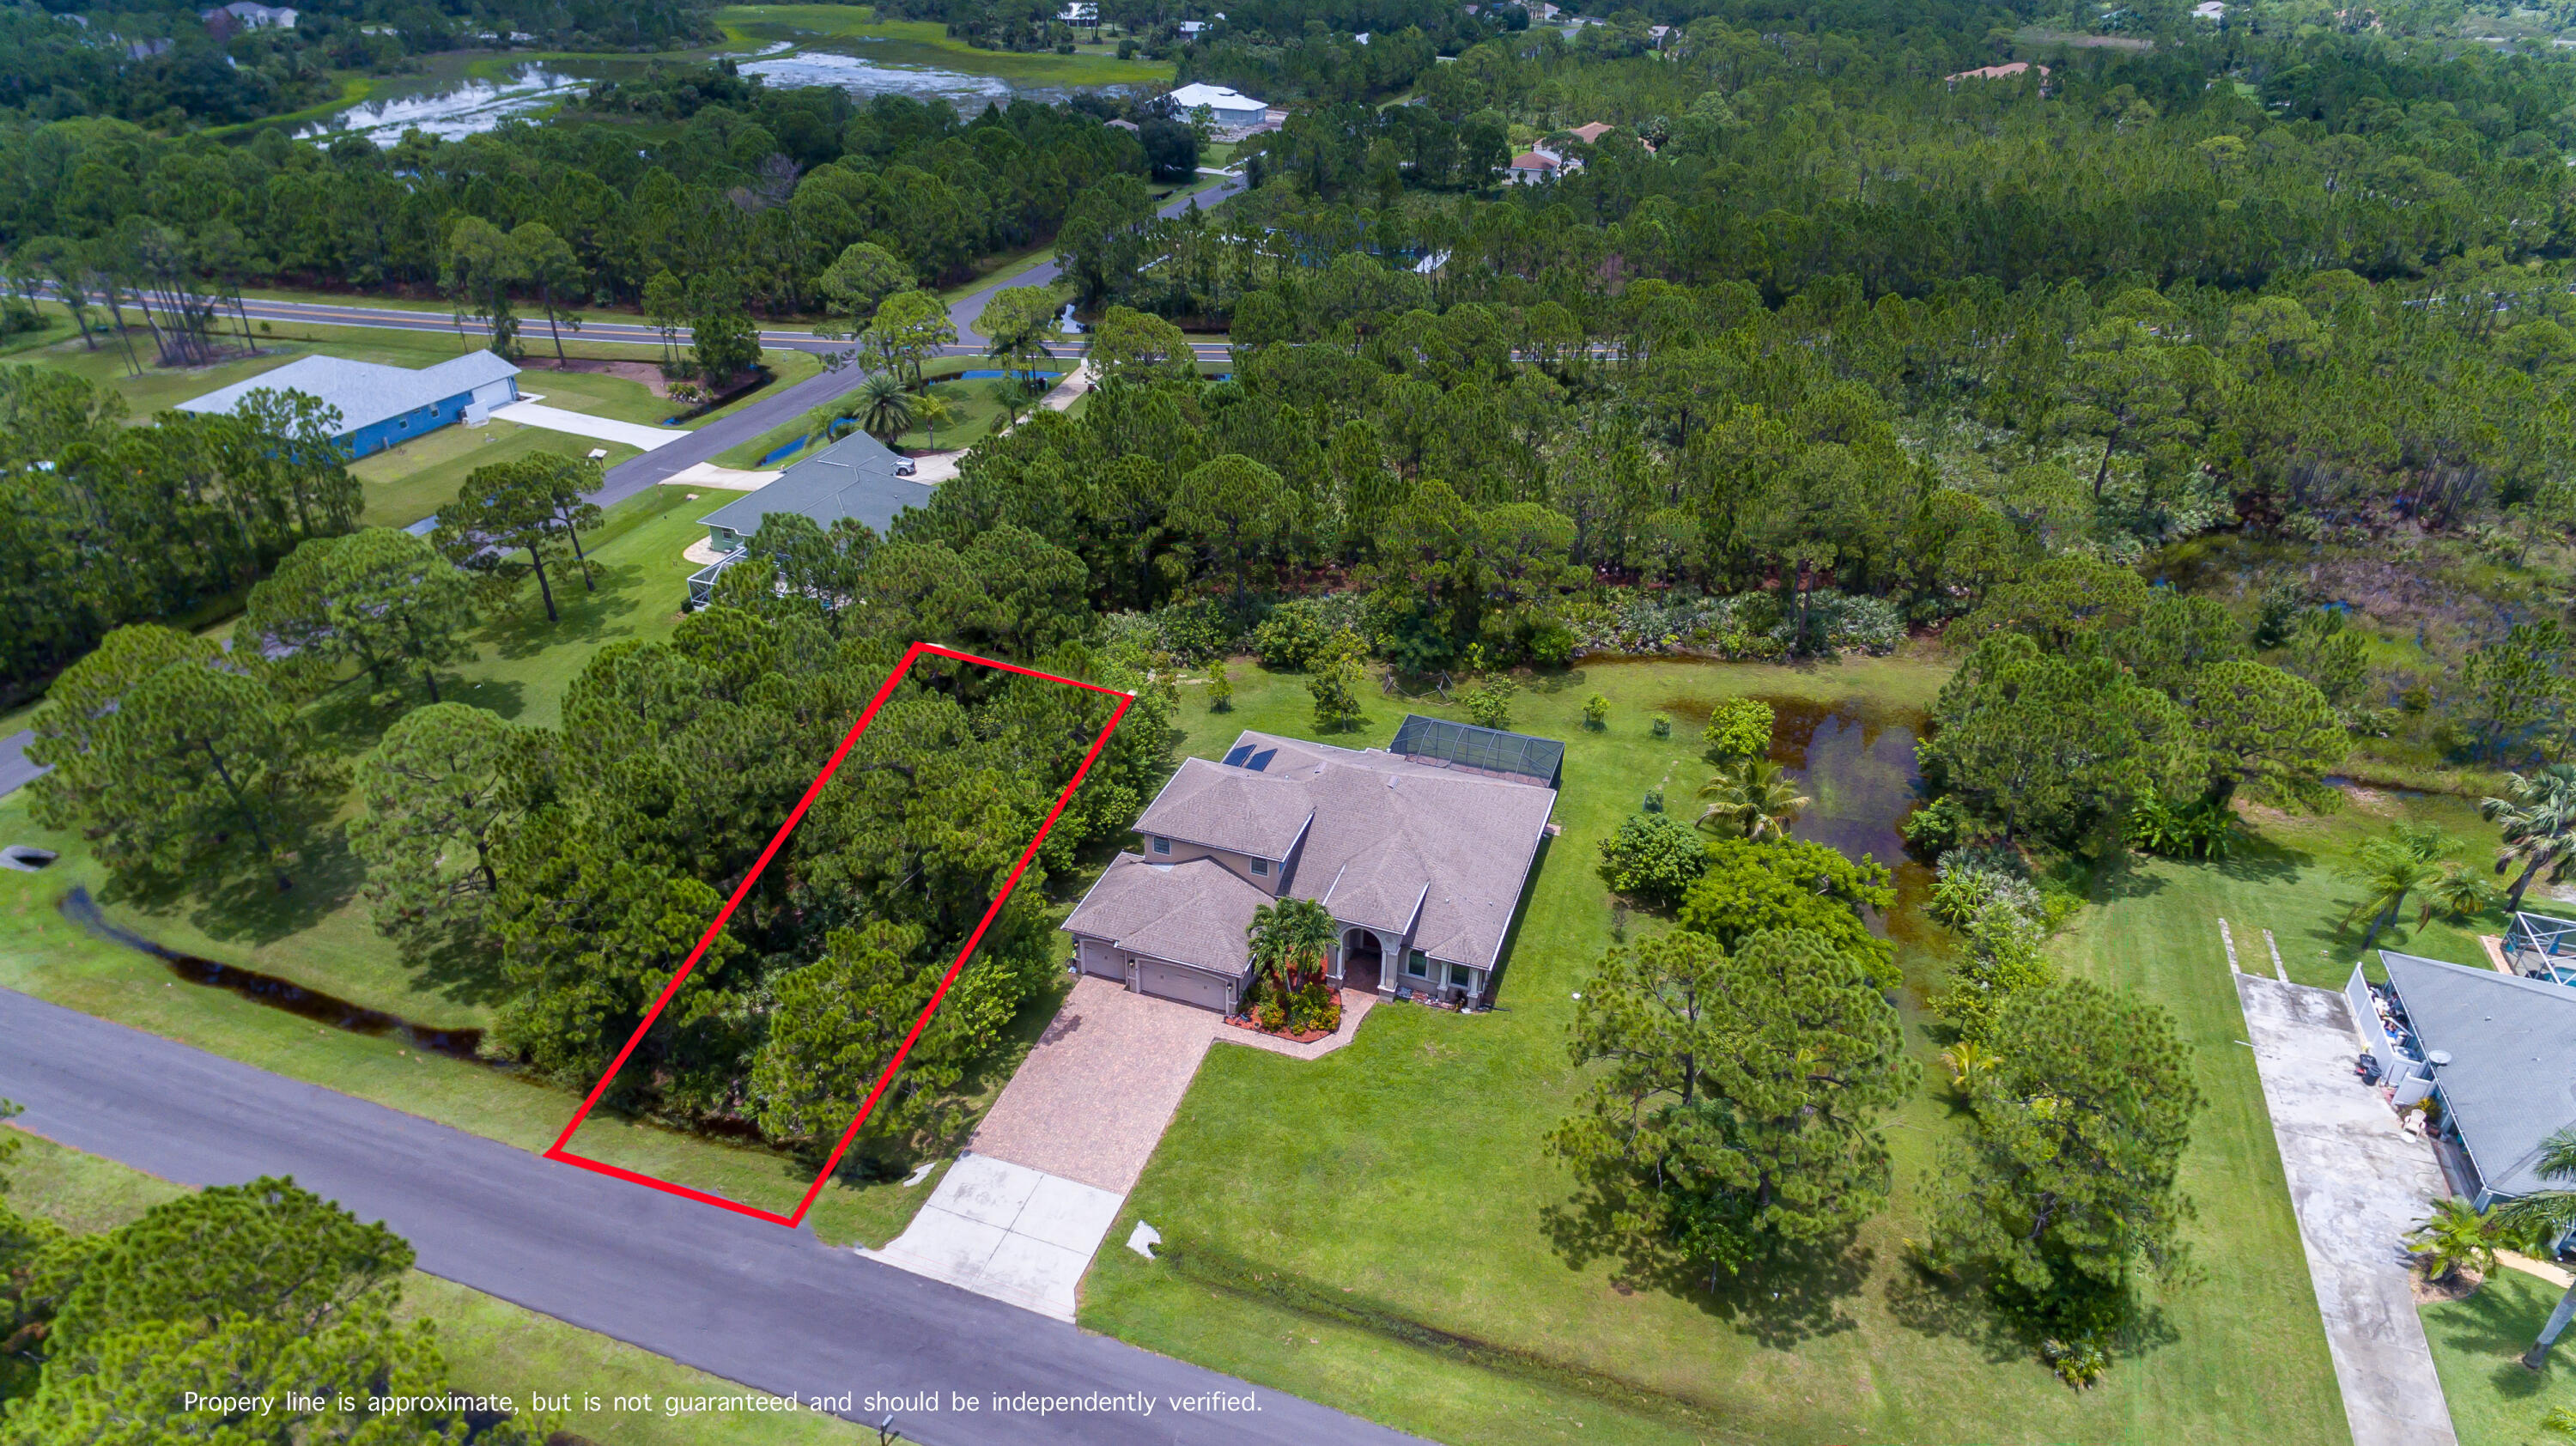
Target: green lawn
column 407, row 483
column 978, row 413
column 1375, row 1229
column 320, row 934
column 492, row 1347
column 2477, row 1345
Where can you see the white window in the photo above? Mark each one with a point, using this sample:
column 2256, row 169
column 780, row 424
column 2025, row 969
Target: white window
column 1162, row 845
column 1261, row 868
column 1461, row 976
column 1416, row 965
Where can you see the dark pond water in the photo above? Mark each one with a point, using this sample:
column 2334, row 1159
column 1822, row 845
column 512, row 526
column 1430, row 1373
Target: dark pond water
column 277, row 993
column 1855, row 763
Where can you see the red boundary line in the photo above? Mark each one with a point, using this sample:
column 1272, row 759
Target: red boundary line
column 902, row 670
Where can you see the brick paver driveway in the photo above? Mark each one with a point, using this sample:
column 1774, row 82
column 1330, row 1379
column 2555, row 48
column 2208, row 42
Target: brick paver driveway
column 1092, row 1100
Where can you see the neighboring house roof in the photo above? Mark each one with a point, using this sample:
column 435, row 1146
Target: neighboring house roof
column 853, row 477
column 1589, row 134
column 2511, row 1082
column 1124, row 125
column 1534, row 161
column 364, row 392
column 1190, row 913
column 1214, row 97
column 1389, row 843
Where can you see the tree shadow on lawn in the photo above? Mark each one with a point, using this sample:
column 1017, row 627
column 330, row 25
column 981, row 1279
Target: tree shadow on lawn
column 2264, row 860
column 1779, row 1302
column 240, row 901
column 456, row 959
column 518, row 629
column 1962, row 1307
column 2491, row 1323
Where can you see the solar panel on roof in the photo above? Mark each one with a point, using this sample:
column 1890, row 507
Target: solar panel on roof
column 1491, row 749
column 1241, row 752
column 1261, row 760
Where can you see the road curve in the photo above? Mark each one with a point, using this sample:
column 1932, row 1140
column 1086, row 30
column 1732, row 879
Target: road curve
column 750, row 1302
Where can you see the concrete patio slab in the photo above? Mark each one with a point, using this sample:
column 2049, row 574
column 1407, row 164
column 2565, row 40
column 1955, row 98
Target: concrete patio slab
column 2358, row 1183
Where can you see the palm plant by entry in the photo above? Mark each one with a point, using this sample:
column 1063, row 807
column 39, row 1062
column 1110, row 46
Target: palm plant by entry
column 2538, row 824
column 932, row 411
column 1288, row 941
column 2542, row 1217
column 2455, row 1237
column 1755, row 798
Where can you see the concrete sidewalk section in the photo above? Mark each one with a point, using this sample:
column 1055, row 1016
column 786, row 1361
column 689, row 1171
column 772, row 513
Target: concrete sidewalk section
column 2358, row 1184
column 581, row 424
column 1006, row 1232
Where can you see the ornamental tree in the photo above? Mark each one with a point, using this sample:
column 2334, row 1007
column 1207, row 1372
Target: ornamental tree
column 2064, row 1186
column 1736, row 1114
column 1748, row 888
column 378, row 597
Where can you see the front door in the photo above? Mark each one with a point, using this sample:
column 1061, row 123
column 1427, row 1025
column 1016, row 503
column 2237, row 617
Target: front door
column 1363, row 962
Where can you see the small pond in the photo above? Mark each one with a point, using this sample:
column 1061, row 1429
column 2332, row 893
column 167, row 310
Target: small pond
column 453, row 107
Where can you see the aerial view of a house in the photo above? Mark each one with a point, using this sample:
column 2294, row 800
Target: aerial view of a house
column 382, row 406
column 857, row 476
column 1418, row 852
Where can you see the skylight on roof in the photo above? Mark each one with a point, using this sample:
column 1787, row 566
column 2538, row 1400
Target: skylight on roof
column 1235, row 758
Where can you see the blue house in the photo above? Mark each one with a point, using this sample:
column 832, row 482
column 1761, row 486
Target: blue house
column 382, row 406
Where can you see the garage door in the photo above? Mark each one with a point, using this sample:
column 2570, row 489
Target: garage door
column 1165, row 981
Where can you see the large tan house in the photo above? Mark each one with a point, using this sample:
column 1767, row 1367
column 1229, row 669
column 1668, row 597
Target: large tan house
column 1419, row 853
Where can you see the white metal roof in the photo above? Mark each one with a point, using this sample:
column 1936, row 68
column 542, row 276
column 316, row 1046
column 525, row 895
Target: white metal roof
column 364, row 392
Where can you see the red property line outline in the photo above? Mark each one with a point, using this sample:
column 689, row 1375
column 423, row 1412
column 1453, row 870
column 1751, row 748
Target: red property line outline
column 812, row 791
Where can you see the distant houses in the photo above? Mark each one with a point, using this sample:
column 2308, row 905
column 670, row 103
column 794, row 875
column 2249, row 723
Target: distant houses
column 382, row 406
column 1529, row 168
column 251, row 15
column 856, row 477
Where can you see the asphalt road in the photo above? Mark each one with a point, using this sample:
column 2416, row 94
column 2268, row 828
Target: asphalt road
column 753, row 420
column 750, row 1302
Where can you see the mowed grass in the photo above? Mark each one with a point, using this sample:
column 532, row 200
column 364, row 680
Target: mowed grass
column 977, row 414
column 404, row 484
column 492, row 1347
column 2477, row 1348
column 1380, row 1229
column 320, row 934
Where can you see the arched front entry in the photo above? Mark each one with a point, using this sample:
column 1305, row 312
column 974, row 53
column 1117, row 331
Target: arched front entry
column 1363, row 960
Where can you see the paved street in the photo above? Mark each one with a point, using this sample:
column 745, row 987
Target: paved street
column 747, row 1301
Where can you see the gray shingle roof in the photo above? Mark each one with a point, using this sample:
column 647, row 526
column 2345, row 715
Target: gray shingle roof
column 1387, row 840
column 853, row 477
column 1191, row 913
column 2511, row 1082
column 365, row 392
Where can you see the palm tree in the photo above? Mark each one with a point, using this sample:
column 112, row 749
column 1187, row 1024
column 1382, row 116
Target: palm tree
column 2459, row 893
column 2388, row 870
column 882, row 408
column 2545, row 1216
column 1757, row 798
column 1288, row 941
column 2539, row 826
column 1968, row 1062
column 2453, row 1238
